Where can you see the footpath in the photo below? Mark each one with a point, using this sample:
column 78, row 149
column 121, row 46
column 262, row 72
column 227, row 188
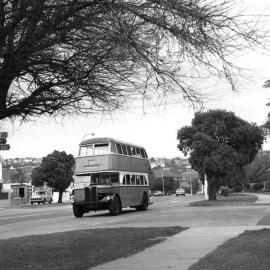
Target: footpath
column 182, row 250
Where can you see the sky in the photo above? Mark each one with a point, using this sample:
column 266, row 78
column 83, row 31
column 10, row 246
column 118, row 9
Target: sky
column 155, row 128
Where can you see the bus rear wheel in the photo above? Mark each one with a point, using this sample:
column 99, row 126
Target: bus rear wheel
column 115, row 206
column 144, row 204
column 77, row 211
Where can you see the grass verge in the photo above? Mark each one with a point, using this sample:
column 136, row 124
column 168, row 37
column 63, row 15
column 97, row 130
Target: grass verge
column 248, row 251
column 78, row 249
column 232, row 199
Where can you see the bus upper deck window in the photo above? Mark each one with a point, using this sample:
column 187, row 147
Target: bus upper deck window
column 101, row 149
column 133, row 151
column 124, row 149
column 145, row 154
column 138, row 153
column 142, row 153
column 119, row 149
column 86, row 150
column 129, row 150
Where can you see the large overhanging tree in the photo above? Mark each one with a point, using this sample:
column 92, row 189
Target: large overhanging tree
column 219, row 143
column 74, row 56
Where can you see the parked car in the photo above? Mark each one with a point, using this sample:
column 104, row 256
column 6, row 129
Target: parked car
column 180, row 191
column 41, row 196
column 158, row 193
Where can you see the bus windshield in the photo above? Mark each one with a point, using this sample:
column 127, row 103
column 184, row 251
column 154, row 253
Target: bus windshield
column 93, row 150
column 104, row 178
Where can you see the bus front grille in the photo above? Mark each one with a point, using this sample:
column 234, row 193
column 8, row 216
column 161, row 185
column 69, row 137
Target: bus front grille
column 79, row 194
column 91, row 194
column 88, row 194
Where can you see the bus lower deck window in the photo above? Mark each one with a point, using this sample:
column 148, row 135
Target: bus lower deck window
column 137, row 180
column 128, row 179
column 141, row 180
column 114, row 178
column 133, row 180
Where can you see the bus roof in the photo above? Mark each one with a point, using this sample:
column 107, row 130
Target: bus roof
column 105, row 140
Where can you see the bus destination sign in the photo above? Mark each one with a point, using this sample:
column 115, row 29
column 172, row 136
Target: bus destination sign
column 4, row 146
column 3, row 141
column 3, row 135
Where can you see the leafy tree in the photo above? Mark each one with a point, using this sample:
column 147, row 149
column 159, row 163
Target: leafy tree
column 236, row 177
column 57, row 172
column 259, row 169
column 18, row 176
column 84, row 56
column 169, row 184
column 257, row 186
column 218, row 143
column 37, row 177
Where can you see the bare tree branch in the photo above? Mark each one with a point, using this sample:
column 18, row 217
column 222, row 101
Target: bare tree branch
column 86, row 56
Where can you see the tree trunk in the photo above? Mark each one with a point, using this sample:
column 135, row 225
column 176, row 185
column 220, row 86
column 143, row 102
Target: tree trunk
column 60, row 196
column 212, row 190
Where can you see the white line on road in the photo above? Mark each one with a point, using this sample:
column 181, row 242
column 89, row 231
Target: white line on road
column 21, row 216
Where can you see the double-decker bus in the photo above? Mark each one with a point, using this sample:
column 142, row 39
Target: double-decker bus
column 110, row 174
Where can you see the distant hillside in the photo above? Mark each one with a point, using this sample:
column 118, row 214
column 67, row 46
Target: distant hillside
column 176, row 164
column 21, row 162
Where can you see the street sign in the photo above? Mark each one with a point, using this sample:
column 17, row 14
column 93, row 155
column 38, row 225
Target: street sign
column 3, row 134
column 3, row 141
column 4, row 146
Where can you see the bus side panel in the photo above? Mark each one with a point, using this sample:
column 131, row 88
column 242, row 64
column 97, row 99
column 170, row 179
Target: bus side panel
column 132, row 195
column 111, row 162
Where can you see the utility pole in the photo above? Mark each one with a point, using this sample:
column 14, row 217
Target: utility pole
column 190, row 182
column 206, row 197
column 163, row 184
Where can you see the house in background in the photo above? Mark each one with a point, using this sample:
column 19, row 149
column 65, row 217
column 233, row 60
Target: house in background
column 164, row 179
column 3, row 194
column 2, row 163
column 17, row 182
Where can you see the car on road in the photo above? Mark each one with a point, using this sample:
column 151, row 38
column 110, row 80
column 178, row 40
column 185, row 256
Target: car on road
column 180, row 191
column 41, row 196
column 158, row 193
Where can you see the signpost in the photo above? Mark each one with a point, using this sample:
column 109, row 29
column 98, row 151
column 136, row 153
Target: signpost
column 4, row 146
column 3, row 134
column 3, row 141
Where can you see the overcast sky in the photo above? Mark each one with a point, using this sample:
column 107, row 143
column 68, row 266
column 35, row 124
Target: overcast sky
column 155, row 128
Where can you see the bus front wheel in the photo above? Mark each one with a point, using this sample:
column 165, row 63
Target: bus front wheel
column 77, row 211
column 144, row 204
column 115, row 206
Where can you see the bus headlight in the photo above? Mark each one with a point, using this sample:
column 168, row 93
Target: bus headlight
column 109, row 198
column 72, row 198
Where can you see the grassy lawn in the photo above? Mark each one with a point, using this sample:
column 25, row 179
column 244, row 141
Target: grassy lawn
column 78, row 249
column 232, row 199
column 249, row 251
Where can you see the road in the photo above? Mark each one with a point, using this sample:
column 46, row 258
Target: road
column 165, row 211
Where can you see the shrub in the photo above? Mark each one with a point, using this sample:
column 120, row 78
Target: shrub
column 257, row 186
column 224, row 191
column 237, row 188
column 187, row 189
